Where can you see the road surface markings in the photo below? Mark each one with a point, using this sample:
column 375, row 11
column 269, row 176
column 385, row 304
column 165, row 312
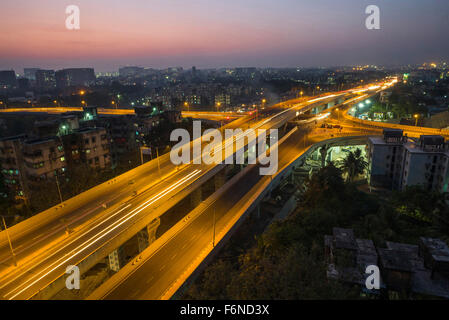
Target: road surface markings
column 149, row 280
column 100, row 235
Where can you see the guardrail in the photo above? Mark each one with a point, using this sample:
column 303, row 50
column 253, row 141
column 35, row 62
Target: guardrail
column 423, row 130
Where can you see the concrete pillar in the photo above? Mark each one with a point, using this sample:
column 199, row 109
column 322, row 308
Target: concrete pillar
column 142, row 240
column 330, row 104
column 116, row 259
column 195, row 197
column 152, row 229
column 220, row 179
column 147, row 236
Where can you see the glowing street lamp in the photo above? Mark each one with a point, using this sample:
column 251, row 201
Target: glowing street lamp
column 416, row 116
column 82, row 92
column 368, row 101
column 338, row 113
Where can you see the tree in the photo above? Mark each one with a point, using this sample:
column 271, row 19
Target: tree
column 353, row 165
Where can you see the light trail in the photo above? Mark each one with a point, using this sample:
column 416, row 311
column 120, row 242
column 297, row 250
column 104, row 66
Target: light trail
column 101, row 234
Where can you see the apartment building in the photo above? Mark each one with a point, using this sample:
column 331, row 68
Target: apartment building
column 11, row 163
column 27, row 163
column 89, row 146
column 43, row 159
column 385, row 157
column 426, row 163
column 396, row 161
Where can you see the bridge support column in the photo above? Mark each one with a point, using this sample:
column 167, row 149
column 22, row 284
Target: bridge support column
column 147, row 236
column 195, row 197
column 142, row 240
column 116, row 259
column 220, row 178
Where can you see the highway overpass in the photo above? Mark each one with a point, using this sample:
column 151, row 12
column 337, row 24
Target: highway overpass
column 106, row 216
column 174, row 259
column 207, row 115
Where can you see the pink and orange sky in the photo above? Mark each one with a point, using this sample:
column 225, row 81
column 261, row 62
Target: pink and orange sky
column 162, row 33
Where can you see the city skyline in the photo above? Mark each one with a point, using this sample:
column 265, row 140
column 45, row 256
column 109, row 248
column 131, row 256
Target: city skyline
column 205, row 151
column 258, row 34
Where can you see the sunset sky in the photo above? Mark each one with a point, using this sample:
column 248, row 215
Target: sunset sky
column 211, row 33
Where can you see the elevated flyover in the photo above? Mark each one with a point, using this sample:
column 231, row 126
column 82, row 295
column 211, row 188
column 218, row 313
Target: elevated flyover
column 104, row 217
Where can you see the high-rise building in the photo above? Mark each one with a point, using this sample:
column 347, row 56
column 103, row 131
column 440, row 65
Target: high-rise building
column 45, row 79
column 30, row 73
column 385, row 157
column 8, row 79
column 75, row 77
column 395, row 162
column 130, row 71
column 222, row 100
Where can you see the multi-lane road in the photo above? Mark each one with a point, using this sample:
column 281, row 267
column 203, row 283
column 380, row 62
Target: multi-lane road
column 166, row 263
column 43, row 249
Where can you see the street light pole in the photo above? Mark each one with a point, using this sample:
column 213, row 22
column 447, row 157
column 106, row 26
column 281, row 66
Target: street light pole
column 10, row 244
column 213, row 239
column 158, row 163
column 59, row 190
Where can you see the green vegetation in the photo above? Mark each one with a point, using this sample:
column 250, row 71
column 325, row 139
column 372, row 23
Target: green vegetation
column 287, row 261
column 403, row 102
column 353, row 165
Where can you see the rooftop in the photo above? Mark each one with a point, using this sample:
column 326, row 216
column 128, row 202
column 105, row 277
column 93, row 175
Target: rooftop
column 437, row 248
column 344, row 238
column 394, row 260
column 39, row 141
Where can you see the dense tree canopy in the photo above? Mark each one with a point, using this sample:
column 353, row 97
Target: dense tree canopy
column 287, row 261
